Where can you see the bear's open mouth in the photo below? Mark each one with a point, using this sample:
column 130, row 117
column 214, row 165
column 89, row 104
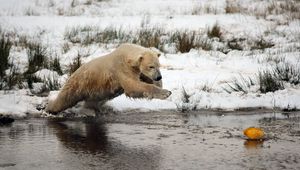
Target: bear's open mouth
column 146, row 79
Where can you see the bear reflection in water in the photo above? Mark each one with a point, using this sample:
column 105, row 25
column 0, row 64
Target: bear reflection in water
column 91, row 138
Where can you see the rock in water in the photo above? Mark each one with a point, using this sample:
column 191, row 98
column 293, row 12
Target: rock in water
column 4, row 120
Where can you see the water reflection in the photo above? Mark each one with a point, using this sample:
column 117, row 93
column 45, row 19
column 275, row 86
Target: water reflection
column 92, row 137
column 89, row 136
column 236, row 120
column 253, row 144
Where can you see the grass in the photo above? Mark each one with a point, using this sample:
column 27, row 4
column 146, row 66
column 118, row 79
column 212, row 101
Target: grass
column 9, row 74
column 184, row 40
column 287, row 72
column 262, row 9
column 55, row 66
column 75, row 64
column 207, row 87
column 37, row 58
column 22, row 41
column 5, row 46
column 232, row 7
column 14, row 78
column 261, row 44
column 290, row 8
column 235, row 43
column 146, row 36
column 184, row 106
column 215, row 31
column 204, row 44
column 150, row 37
column 268, row 82
column 30, row 12
column 73, row 3
column 247, row 43
column 51, row 83
column 203, row 9
column 71, row 34
column 240, row 84
column 66, row 47
column 87, row 35
column 30, row 79
column 185, row 96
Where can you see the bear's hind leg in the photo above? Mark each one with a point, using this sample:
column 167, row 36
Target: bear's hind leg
column 64, row 100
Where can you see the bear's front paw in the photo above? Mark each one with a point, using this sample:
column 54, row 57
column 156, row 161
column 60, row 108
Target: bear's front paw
column 163, row 94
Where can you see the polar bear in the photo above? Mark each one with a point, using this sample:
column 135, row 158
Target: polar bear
column 130, row 69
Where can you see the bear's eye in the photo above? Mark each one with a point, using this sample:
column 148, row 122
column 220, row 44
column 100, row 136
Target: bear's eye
column 151, row 67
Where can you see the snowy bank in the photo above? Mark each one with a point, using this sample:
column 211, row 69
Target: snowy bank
column 230, row 45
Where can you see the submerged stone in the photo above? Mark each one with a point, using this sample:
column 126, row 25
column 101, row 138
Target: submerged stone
column 4, row 120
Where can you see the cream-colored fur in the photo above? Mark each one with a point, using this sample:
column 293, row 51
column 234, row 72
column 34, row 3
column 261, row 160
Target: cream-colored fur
column 109, row 76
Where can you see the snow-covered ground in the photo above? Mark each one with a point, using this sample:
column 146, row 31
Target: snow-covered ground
column 198, row 79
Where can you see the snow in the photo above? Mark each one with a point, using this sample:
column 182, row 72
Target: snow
column 202, row 74
column 19, row 103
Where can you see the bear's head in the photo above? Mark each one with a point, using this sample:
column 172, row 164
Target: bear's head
column 147, row 64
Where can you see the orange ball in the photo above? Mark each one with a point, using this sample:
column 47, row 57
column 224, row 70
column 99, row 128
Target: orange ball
column 254, row 133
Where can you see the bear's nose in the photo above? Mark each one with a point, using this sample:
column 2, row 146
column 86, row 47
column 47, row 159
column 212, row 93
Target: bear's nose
column 158, row 78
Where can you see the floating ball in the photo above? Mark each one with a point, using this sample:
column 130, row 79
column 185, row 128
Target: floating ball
column 254, row 133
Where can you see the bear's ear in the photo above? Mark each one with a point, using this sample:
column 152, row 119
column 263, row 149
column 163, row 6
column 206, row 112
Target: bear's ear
column 156, row 51
column 135, row 61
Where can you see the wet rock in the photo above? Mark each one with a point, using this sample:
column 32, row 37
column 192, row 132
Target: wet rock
column 6, row 165
column 4, row 120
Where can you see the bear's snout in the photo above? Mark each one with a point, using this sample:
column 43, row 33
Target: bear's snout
column 158, row 78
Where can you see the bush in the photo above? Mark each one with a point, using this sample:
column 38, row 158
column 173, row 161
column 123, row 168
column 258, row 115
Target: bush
column 22, row 41
column 268, row 82
column 215, row 31
column 241, row 84
column 55, row 66
column 75, row 64
column 66, row 47
column 184, row 40
column 184, row 104
column 109, row 35
column 288, row 73
column 204, row 44
column 146, row 36
column 232, row 7
column 14, row 78
column 5, row 46
column 235, row 43
column 37, row 58
column 261, row 44
column 51, row 83
column 7, row 81
column 71, row 34
column 150, row 37
column 89, row 35
column 206, row 87
column 30, row 79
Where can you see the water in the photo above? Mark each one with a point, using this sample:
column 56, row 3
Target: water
column 160, row 140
